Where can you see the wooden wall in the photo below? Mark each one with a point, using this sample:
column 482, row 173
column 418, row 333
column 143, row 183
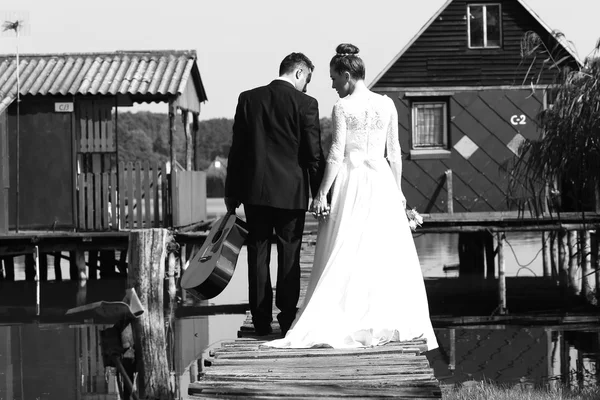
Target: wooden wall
column 4, row 174
column 45, row 163
column 441, row 56
column 480, row 180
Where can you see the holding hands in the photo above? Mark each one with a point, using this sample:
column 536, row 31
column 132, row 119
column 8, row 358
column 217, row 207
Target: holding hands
column 319, row 207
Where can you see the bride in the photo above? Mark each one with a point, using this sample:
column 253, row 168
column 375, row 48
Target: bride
column 366, row 287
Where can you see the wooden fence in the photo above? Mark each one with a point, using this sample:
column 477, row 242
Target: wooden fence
column 137, row 197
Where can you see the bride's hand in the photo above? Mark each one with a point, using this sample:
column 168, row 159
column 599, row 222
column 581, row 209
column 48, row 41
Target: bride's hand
column 319, row 207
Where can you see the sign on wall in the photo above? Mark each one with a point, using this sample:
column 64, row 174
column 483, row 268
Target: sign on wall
column 63, row 107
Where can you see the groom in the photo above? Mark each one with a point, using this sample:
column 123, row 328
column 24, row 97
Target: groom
column 275, row 157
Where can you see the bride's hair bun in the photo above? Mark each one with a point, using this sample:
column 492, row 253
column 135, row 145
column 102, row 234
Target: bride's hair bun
column 347, row 59
column 346, row 49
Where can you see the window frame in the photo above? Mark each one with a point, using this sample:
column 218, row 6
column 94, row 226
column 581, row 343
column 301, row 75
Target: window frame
column 414, row 109
column 485, row 38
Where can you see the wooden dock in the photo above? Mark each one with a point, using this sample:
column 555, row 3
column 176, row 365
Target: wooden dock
column 244, row 368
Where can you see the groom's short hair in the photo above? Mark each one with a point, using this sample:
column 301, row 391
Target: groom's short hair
column 292, row 61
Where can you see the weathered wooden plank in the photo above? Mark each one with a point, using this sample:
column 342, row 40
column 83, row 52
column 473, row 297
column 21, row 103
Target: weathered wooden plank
column 81, row 205
column 156, row 195
column 114, row 203
column 331, row 360
column 89, row 182
column 97, row 180
column 130, row 196
column 331, row 390
column 105, row 201
column 356, row 380
column 148, row 207
column 138, row 195
column 122, row 195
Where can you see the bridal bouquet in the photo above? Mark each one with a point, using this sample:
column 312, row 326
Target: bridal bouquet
column 414, row 219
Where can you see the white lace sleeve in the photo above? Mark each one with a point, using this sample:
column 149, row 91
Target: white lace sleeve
column 338, row 143
column 394, row 153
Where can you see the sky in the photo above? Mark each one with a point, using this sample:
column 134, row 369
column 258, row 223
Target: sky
column 240, row 43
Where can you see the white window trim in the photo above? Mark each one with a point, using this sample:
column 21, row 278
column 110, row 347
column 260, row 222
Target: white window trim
column 444, row 146
column 484, row 5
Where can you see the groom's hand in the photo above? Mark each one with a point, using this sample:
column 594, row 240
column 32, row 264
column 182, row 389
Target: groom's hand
column 231, row 203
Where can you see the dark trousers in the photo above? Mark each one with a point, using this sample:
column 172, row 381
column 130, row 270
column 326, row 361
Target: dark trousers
column 288, row 226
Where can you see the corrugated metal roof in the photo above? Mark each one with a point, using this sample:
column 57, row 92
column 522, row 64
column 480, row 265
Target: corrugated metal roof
column 145, row 75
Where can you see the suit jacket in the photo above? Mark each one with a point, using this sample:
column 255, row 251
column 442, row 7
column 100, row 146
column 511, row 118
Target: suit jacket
column 276, row 154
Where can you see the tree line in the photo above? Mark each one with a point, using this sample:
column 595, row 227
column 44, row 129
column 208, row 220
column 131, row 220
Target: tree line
column 145, row 136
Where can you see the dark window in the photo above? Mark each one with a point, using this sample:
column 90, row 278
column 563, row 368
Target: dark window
column 430, row 125
column 484, row 25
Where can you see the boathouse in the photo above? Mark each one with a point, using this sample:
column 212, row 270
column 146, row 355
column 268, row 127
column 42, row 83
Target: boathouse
column 59, row 159
column 466, row 99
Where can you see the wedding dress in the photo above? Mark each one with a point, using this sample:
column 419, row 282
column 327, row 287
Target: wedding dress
column 366, row 287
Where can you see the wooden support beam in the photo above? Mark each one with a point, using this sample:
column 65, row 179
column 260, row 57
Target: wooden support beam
column 36, row 258
column 82, row 274
column 586, row 261
column 501, row 275
column 188, row 126
column 57, row 268
column 546, row 254
column 450, row 196
column 573, row 266
column 554, row 255
column 146, row 274
column 563, row 259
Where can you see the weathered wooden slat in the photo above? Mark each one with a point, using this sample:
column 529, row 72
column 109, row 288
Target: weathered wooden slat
column 114, row 200
column 164, row 195
column 105, row 201
column 103, row 131
column 89, row 183
column 83, row 140
column 96, row 127
column 156, row 195
column 122, row 195
column 357, row 360
column 130, row 196
column 138, row 195
column 148, row 207
column 110, row 132
column 81, row 205
column 97, row 201
column 331, row 390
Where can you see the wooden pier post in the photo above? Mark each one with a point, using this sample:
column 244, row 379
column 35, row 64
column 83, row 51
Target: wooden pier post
column 546, row 254
column 563, row 259
column 9, row 268
column 554, row 263
column 146, row 274
column 36, row 260
column 501, row 274
column 586, row 261
column 450, row 196
column 572, row 245
column 595, row 264
column 57, row 268
column 81, row 267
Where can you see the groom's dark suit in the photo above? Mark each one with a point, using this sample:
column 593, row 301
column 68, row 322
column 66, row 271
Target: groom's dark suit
column 275, row 158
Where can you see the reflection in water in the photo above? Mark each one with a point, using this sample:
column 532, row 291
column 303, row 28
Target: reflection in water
column 62, row 361
column 56, row 362
column 510, row 355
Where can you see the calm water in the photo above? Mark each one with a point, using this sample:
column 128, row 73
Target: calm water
column 62, row 361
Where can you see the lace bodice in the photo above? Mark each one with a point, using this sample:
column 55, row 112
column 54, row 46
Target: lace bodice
column 367, row 123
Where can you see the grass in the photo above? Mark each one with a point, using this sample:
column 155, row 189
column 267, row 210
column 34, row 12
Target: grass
column 489, row 391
